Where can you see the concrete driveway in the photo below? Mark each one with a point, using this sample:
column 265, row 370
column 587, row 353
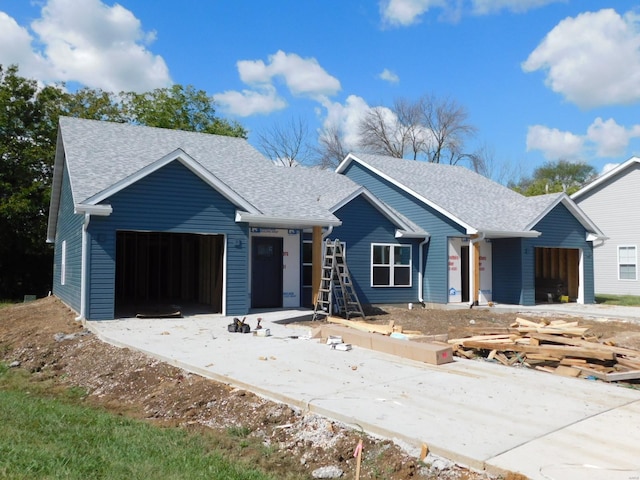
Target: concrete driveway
column 477, row 413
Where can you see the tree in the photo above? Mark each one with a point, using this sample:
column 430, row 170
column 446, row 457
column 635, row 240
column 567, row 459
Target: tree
column 430, row 128
column 179, row 108
column 28, row 129
column 287, row 143
column 331, row 149
column 553, row 177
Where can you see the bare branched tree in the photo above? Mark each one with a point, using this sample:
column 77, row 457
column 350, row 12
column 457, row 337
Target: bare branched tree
column 286, row 144
column 430, row 128
column 446, row 124
column 382, row 133
column 331, row 149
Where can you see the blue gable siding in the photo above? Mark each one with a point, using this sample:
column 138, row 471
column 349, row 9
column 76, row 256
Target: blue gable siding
column 560, row 229
column 171, row 199
column 435, row 285
column 362, row 225
column 69, row 230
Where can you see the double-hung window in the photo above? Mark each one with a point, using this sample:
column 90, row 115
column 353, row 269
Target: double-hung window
column 627, row 262
column 390, row 265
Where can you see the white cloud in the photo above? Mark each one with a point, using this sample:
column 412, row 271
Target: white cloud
column 16, row 48
column 482, row 7
column 610, row 139
column 553, row 143
column 592, row 59
column 250, row 102
column 388, row 76
column 407, row 12
column 604, row 139
column 346, row 117
column 86, row 42
column 303, row 76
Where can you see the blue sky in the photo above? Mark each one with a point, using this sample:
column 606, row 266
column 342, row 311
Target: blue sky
column 540, row 79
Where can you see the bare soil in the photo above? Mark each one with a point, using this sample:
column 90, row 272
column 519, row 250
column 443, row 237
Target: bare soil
column 43, row 338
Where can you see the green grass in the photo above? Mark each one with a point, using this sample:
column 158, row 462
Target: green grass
column 50, row 438
column 622, row 300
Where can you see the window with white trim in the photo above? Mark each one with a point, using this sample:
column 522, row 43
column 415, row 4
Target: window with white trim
column 63, row 263
column 390, row 265
column 627, row 262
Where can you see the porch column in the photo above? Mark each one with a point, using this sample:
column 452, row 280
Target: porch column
column 316, row 268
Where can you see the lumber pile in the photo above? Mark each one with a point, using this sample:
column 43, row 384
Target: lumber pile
column 559, row 347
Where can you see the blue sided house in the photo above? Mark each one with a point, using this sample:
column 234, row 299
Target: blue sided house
column 486, row 243
column 143, row 218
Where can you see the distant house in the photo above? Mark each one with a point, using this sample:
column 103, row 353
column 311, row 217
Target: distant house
column 486, row 242
column 142, row 217
column 613, row 202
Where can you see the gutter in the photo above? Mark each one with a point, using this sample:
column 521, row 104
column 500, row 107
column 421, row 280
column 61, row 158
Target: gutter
column 83, row 269
column 281, row 222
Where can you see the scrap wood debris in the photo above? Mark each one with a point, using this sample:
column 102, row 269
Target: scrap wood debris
column 557, row 346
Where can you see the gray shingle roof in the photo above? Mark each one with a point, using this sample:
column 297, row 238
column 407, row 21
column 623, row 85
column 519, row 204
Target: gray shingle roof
column 472, row 199
column 101, row 154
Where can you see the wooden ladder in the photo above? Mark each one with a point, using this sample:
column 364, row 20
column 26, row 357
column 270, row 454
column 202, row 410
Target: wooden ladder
column 336, row 283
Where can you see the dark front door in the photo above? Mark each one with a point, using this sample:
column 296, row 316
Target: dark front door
column 464, row 272
column 266, row 276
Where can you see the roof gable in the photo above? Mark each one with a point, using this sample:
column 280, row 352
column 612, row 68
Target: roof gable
column 177, row 156
column 607, row 178
column 467, row 198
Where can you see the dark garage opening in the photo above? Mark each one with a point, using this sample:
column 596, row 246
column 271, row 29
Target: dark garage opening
column 159, row 272
column 557, row 274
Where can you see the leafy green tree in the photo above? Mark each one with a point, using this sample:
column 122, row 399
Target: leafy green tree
column 553, row 177
column 179, row 108
column 28, row 129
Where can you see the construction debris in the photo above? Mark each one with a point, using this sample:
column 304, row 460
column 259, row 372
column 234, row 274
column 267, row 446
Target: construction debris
column 559, row 347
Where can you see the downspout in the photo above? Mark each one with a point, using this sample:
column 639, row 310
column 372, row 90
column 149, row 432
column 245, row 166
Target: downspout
column 421, row 270
column 327, row 233
column 83, row 269
column 472, row 269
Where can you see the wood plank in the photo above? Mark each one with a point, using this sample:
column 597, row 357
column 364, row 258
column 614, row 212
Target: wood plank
column 363, row 326
column 633, row 363
column 551, row 350
column 620, row 376
column 584, row 344
column 567, row 371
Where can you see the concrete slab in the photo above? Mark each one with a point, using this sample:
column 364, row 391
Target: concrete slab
column 481, row 414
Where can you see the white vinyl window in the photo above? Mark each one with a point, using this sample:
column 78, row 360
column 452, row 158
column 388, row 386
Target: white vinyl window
column 627, row 263
column 390, row 265
column 63, row 263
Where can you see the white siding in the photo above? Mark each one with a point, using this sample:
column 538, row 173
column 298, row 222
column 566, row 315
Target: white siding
column 614, row 206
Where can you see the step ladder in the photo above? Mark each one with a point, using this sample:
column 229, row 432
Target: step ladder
column 336, row 283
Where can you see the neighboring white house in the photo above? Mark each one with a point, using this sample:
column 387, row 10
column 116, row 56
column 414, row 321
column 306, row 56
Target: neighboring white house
column 612, row 202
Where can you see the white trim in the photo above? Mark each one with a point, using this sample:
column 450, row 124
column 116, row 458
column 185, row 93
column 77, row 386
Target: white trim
column 351, row 157
column 189, row 162
column 391, row 265
column 635, row 262
column 98, row 210
column 269, row 221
